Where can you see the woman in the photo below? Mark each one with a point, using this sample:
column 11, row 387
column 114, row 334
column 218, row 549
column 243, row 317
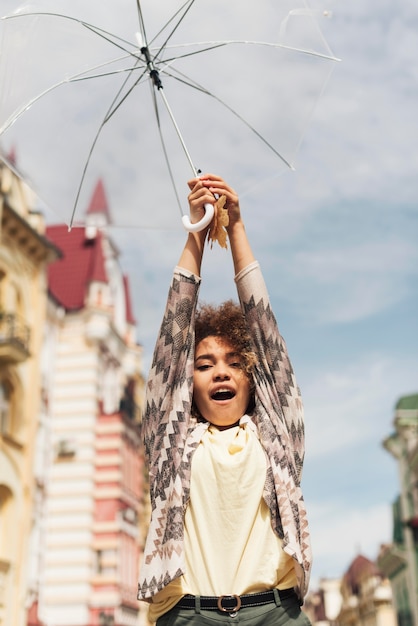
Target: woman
column 224, row 436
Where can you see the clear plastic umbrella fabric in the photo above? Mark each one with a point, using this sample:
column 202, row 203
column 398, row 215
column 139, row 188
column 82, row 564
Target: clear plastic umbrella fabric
column 89, row 90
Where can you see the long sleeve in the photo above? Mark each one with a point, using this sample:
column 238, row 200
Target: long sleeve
column 276, row 383
column 171, row 373
column 279, row 418
column 166, row 428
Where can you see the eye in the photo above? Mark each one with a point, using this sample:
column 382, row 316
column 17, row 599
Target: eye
column 236, row 364
column 202, row 367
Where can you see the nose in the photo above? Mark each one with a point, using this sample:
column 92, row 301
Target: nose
column 220, row 372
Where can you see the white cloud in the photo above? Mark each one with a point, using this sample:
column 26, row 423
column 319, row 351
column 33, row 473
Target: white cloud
column 339, row 534
column 355, row 281
column 365, row 128
column 352, row 403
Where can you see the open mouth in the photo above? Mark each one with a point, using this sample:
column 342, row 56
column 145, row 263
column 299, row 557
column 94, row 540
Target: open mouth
column 223, row 394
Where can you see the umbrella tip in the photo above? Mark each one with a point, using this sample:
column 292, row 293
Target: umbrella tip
column 139, row 40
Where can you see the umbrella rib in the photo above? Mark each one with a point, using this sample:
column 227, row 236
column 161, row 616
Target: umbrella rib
column 111, row 37
column 209, row 45
column 111, row 111
column 79, row 77
column 179, row 10
column 75, row 78
column 190, row 54
column 186, row 81
column 187, row 6
column 83, row 175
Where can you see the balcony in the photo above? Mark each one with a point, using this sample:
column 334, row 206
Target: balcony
column 14, row 338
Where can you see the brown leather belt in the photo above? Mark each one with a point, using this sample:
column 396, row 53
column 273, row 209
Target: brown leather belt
column 231, row 604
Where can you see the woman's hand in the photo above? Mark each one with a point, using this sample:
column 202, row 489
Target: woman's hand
column 206, row 189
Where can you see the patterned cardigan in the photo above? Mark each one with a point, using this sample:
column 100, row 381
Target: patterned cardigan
column 171, row 434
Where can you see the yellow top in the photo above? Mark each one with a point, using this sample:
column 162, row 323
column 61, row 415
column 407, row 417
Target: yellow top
column 230, row 545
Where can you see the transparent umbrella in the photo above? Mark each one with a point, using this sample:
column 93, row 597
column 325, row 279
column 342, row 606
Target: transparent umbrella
column 143, row 95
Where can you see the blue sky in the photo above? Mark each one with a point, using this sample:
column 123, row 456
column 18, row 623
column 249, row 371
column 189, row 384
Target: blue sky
column 337, row 241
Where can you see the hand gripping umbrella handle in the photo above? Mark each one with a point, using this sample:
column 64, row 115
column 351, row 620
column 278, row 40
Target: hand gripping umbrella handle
column 205, row 221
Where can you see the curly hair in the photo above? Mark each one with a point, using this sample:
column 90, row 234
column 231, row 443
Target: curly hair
column 226, row 321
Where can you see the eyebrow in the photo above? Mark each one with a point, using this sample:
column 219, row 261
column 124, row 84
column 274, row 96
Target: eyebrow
column 211, row 357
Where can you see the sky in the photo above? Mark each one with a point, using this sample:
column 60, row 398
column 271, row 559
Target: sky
column 337, row 242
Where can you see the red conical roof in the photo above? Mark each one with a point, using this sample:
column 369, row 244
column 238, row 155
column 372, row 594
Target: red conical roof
column 98, row 202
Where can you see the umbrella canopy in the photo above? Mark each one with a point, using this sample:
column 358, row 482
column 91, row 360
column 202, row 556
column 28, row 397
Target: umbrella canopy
column 142, row 94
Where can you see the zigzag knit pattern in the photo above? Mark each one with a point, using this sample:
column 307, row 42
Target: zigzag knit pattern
column 171, row 434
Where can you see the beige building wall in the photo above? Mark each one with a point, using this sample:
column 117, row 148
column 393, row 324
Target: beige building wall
column 24, row 255
column 68, row 562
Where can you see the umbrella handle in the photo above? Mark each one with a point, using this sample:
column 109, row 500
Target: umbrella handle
column 205, row 221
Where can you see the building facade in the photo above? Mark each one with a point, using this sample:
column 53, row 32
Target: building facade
column 366, row 596
column 92, row 389
column 323, row 605
column 399, row 560
column 24, row 256
column 362, row 597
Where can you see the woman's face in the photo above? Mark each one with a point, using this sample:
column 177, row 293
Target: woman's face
column 221, row 387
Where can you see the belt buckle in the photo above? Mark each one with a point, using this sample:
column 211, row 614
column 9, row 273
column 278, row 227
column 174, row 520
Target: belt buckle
column 232, row 612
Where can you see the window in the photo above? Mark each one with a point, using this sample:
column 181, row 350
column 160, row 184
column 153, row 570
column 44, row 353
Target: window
column 105, row 562
column 10, row 405
column 5, row 407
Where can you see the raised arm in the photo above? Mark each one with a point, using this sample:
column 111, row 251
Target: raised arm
column 203, row 190
column 279, row 413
